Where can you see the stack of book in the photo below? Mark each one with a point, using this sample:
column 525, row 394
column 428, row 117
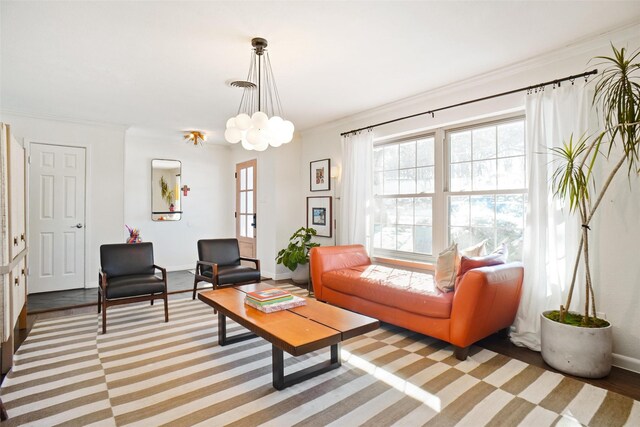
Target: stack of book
column 273, row 299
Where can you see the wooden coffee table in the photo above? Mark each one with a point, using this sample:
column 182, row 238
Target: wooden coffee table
column 297, row 331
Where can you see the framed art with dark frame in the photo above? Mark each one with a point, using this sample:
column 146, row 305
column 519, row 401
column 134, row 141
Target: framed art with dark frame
column 319, row 215
column 319, row 175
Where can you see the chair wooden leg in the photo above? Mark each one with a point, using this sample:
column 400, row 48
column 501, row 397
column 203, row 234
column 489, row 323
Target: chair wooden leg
column 166, row 308
column 195, row 286
column 151, row 302
column 104, row 315
column 3, row 412
column 99, row 300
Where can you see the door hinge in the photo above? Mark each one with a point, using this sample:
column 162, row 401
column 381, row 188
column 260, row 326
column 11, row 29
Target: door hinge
column 235, row 175
column 29, row 159
column 235, row 214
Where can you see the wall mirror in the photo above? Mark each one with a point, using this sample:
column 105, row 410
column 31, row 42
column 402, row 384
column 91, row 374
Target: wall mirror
column 166, row 203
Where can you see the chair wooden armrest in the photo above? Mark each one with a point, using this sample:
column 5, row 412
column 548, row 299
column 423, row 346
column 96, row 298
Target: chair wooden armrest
column 213, row 266
column 102, row 278
column 164, row 273
column 253, row 260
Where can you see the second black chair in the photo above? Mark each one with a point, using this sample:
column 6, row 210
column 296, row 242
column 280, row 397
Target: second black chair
column 219, row 264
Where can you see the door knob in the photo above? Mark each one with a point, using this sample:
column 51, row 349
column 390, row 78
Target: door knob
column 78, row 225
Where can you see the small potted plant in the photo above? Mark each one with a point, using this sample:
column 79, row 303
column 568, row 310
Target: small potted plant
column 296, row 255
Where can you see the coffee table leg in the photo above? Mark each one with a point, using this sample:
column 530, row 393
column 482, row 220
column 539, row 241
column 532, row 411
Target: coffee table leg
column 281, row 381
column 222, row 332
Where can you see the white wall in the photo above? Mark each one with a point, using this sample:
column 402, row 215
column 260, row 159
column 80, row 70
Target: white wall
column 207, row 211
column 280, row 209
column 616, row 230
column 105, row 172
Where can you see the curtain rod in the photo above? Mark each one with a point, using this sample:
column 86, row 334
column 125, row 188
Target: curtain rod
column 497, row 95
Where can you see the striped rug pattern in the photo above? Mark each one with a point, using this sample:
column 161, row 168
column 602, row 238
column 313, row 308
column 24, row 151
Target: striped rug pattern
column 145, row 372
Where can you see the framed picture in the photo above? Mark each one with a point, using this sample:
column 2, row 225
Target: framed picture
column 319, row 215
column 320, row 178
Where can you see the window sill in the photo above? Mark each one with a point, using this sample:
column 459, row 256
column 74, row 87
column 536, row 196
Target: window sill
column 404, row 263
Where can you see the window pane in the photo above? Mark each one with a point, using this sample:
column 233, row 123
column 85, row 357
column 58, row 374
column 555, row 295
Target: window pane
column 482, row 211
column 405, row 238
column 459, row 211
column 250, row 202
column 250, row 178
column 243, row 225
column 426, row 182
column 389, row 211
column 243, row 179
column 243, row 201
column 388, row 237
column 391, row 157
column 377, row 183
column 249, row 226
column 479, row 234
column 423, row 211
column 377, row 236
column 513, row 239
column 425, row 152
column 423, row 240
column 405, row 211
column 484, row 175
column 511, row 173
column 461, row 236
column 391, row 182
column 460, row 146
column 408, row 155
column 484, row 143
column 461, row 177
column 407, row 181
column 511, row 139
column 510, row 211
column 378, row 158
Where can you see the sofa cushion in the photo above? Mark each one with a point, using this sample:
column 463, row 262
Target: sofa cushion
column 405, row 290
column 498, row 256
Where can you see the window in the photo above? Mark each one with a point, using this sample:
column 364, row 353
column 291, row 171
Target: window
column 487, row 191
column 481, row 192
column 404, row 184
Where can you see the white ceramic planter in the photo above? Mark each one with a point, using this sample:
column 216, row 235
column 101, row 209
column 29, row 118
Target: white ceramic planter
column 583, row 352
column 301, row 274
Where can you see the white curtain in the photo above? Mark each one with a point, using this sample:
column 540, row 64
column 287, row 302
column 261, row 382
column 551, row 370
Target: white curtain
column 551, row 236
column 357, row 189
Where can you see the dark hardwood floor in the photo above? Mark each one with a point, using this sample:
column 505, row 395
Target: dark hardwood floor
column 69, row 303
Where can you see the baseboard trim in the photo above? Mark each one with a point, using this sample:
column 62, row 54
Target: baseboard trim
column 282, row 276
column 626, row 362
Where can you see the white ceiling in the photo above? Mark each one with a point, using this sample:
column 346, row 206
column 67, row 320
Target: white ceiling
column 165, row 65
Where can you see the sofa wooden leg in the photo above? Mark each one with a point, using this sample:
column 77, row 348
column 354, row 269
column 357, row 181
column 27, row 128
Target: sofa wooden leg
column 461, row 353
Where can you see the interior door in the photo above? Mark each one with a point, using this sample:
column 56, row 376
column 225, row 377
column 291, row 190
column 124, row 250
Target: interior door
column 246, row 220
column 56, row 218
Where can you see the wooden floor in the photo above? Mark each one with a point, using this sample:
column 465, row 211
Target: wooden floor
column 68, row 303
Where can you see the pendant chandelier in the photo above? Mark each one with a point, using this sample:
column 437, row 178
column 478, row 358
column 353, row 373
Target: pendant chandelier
column 259, row 123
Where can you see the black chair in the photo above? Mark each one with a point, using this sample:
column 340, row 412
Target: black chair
column 127, row 274
column 219, row 264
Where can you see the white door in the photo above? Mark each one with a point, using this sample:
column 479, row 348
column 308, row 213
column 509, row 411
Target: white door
column 56, row 218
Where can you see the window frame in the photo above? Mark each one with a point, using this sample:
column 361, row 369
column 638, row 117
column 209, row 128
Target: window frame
column 441, row 194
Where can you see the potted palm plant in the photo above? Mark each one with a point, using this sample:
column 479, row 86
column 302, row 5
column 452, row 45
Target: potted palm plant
column 581, row 343
column 296, row 255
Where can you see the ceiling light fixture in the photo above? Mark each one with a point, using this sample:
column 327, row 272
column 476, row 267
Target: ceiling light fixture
column 259, row 122
column 195, row 136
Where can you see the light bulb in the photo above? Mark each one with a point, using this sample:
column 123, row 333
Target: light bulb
column 253, row 136
column 259, row 120
column 243, row 121
column 288, row 127
column 231, row 123
column 233, row 135
column 246, row 145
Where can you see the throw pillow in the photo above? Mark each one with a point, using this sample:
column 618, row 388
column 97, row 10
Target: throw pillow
column 472, row 251
column 446, row 268
column 498, row 256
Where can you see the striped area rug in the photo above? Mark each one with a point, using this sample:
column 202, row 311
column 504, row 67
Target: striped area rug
column 145, row 372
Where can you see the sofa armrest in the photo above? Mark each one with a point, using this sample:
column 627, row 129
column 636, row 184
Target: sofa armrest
column 330, row 258
column 485, row 301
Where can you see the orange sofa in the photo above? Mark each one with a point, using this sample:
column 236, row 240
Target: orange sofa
column 485, row 300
